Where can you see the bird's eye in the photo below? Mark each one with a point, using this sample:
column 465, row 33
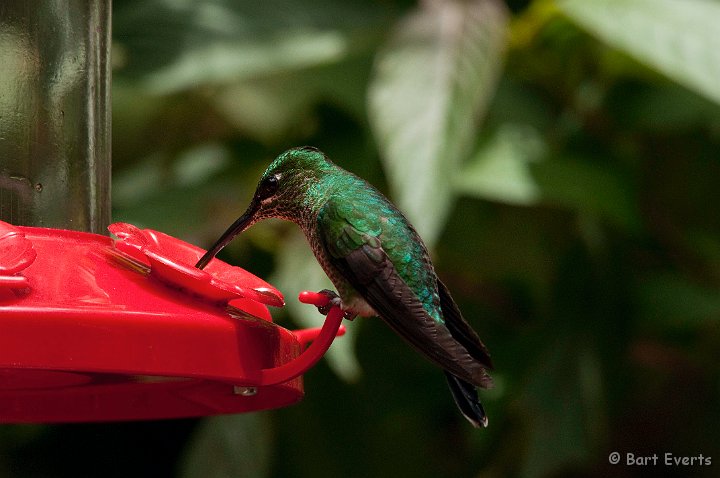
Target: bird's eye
column 268, row 186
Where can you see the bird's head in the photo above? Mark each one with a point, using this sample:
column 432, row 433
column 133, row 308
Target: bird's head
column 281, row 192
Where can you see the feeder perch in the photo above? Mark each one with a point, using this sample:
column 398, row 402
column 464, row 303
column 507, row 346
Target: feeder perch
column 96, row 329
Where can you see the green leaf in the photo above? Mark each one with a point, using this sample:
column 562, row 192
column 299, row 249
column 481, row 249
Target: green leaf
column 590, row 188
column 680, row 38
column 180, row 44
column 564, row 403
column 297, row 271
column 432, row 83
column 230, row 446
column 173, row 188
column 273, row 108
column 665, row 108
column 500, row 170
column 670, row 300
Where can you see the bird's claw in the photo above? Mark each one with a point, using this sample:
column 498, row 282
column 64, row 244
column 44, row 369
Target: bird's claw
column 333, row 301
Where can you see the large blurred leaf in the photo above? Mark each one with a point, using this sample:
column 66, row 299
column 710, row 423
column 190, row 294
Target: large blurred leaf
column 432, row 83
column 680, row 38
column 230, row 446
column 500, row 170
column 297, row 271
column 179, row 44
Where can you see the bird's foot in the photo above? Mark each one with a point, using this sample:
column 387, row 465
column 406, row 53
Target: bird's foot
column 333, row 301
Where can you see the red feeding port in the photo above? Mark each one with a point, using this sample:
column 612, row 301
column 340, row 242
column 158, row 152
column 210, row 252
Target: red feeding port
column 95, row 329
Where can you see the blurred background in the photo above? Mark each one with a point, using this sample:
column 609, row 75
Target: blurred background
column 560, row 157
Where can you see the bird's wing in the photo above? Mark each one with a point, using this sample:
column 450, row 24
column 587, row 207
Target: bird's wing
column 460, row 329
column 361, row 259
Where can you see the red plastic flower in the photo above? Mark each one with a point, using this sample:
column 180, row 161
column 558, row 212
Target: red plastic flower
column 173, row 261
column 16, row 253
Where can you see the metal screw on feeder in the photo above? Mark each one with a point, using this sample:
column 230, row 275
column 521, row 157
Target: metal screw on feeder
column 245, row 391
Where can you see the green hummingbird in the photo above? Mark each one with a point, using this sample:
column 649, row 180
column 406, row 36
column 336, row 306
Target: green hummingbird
column 376, row 260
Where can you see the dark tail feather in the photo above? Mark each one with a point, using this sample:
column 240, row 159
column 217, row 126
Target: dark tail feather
column 466, row 398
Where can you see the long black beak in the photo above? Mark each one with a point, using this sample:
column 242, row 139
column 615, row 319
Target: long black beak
column 236, row 228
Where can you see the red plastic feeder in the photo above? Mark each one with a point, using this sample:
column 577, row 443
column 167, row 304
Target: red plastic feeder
column 96, row 329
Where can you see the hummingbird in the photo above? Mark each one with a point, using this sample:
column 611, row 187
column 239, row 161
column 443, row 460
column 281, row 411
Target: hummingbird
column 375, row 259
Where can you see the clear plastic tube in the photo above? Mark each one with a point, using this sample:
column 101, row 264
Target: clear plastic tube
column 55, row 113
